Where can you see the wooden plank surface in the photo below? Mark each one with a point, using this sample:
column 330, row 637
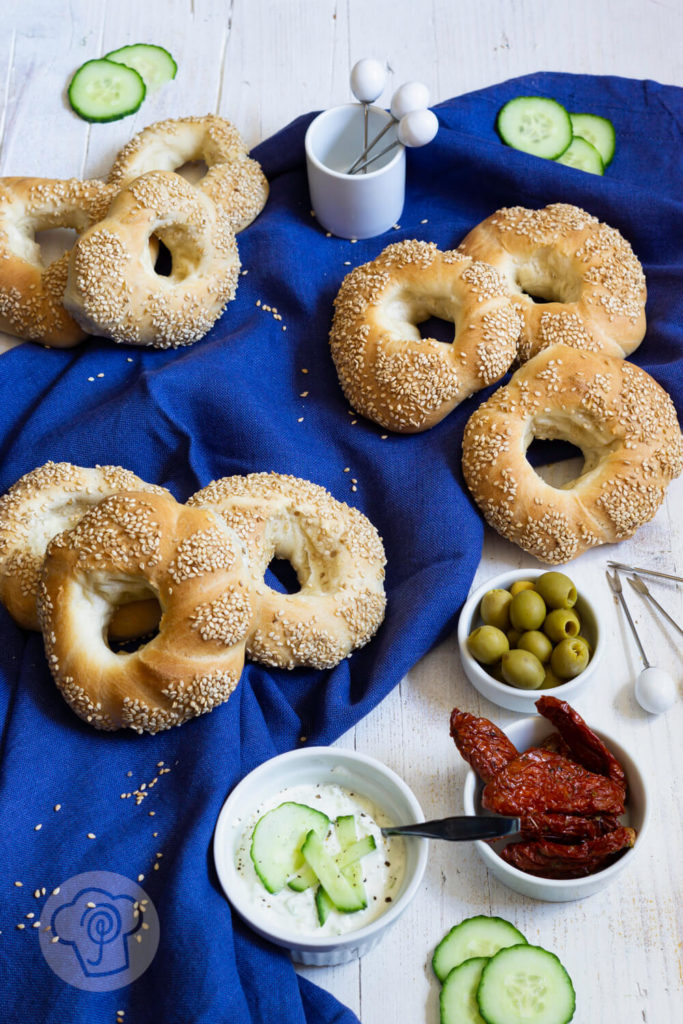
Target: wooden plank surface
column 262, row 63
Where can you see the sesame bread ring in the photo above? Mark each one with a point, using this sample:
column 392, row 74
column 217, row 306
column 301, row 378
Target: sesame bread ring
column 194, row 563
column 335, row 551
column 233, row 180
column 391, row 374
column 588, row 283
column 43, row 503
column 622, row 420
column 31, row 294
column 112, row 288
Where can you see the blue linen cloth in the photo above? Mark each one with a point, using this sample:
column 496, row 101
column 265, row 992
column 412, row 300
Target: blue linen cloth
column 233, row 404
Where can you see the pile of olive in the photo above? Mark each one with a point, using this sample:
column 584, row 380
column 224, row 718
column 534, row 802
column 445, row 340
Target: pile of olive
column 531, row 637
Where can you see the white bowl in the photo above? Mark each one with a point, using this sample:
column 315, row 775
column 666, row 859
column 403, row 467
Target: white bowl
column 524, row 733
column 356, row 772
column 509, row 696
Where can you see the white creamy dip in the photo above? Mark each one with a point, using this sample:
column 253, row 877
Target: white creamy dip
column 383, row 868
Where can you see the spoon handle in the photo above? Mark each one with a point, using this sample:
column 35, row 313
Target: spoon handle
column 463, row 827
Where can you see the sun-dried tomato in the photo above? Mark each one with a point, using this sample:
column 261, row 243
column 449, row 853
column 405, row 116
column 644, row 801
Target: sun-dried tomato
column 566, row 828
column 539, row 780
column 587, row 748
column 562, row 860
column 483, row 745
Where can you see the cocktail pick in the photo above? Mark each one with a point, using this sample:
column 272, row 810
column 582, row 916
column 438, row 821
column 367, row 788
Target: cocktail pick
column 408, row 97
column 368, row 78
column 414, row 129
column 655, row 690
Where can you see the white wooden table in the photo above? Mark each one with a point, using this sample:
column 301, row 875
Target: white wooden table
column 261, row 63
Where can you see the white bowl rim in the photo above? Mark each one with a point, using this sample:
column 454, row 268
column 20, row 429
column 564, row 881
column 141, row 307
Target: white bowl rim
column 566, row 689
column 294, row 940
column 490, row 856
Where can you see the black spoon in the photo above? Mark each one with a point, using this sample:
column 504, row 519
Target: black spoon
column 459, row 828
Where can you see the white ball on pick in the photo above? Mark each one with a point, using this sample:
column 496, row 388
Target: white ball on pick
column 368, row 78
column 409, row 96
column 655, row 690
column 417, row 128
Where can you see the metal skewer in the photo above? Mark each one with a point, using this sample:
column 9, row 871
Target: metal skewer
column 615, row 584
column 645, row 572
column 408, row 97
column 655, row 689
column 642, row 588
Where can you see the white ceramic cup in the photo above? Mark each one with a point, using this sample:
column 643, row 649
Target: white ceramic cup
column 354, row 205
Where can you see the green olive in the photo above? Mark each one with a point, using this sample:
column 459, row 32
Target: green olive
column 588, row 645
column 513, row 636
column 557, row 590
column 486, row 644
column 523, row 670
column 527, row 611
column 550, row 680
column 561, row 624
column 519, row 585
column 494, row 608
column 537, row 643
column 569, row 658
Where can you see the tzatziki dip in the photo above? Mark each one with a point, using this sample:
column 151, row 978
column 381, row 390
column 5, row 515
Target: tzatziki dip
column 382, row 868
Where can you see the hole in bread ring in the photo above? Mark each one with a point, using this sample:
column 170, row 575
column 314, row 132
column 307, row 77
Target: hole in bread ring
column 623, row 422
column 387, row 370
column 31, row 284
column 576, row 280
column 112, row 288
column 232, row 179
column 194, row 564
column 41, row 504
column 335, row 552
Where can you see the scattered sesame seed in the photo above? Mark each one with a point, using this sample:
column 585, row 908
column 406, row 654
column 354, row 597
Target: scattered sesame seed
column 30, row 915
column 21, row 926
column 304, row 370
column 36, row 924
column 55, row 938
column 37, row 828
column 91, row 378
column 425, row 221
column 55, row 892
column 58, row 807
column 18, row 884
column 37, row 894
column 91, row 835
column 141, row 878
column 300, row 420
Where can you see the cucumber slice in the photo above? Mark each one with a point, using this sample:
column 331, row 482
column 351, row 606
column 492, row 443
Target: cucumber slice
column 525, row 985
column 154, row 64
column 351, row 856
column 458, row 997
column 104, row 91
column 278, row 838
column 323, row 905
column 581, row 155
column 346, row 860
column 475, row 936
column 535, row 125
column 599, row 131
column 338, row 888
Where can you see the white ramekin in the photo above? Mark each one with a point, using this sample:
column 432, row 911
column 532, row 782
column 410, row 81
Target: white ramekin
column 357, row 772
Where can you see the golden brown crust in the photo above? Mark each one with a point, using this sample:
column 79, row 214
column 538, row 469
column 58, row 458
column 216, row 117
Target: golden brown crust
column 194, row 564
column 618, row 415
column 31, row 295
column 587, row 271
column 43, row 503
column 335, row 551
column 387, row 371
column 233, row 180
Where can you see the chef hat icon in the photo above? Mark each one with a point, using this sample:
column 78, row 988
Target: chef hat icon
column 97, row 923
